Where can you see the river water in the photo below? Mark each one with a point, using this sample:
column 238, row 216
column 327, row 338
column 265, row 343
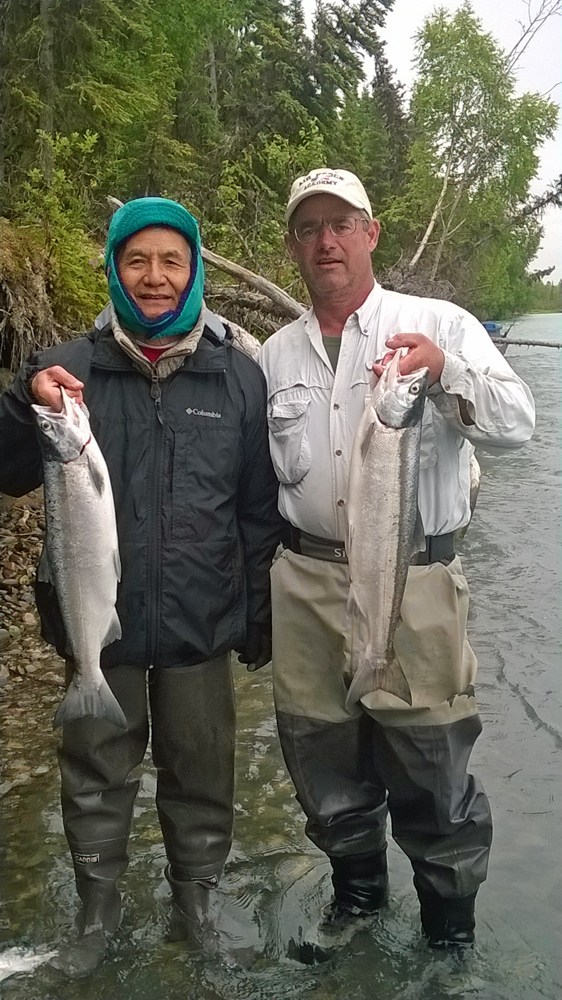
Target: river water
column 275, row 880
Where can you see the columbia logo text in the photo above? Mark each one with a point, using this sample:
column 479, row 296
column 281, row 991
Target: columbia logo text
column 203, row 413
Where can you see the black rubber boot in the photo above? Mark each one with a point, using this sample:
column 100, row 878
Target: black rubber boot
column 447, row 923
column 99, row 916
column 360, row 888
column 195, row 919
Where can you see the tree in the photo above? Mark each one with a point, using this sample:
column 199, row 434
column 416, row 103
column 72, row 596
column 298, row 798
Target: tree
column 474, row 151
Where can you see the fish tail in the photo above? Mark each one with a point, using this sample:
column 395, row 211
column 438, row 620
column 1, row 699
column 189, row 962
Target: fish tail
column 378, row 677
column 392, row 678
column 80, row 701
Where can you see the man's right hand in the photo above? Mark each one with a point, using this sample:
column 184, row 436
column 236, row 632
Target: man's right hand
column 45, row 387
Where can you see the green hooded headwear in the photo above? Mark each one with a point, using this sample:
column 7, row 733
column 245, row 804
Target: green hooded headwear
column 130, row 218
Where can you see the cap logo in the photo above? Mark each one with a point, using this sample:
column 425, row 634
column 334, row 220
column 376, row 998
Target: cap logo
column 321, row 177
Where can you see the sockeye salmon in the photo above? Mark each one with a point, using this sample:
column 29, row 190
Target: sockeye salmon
column 384, row 526
column 81, row 556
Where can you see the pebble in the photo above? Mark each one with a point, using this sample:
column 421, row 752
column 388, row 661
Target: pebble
column 15, row 631
column 4, row 638
column 28, row 618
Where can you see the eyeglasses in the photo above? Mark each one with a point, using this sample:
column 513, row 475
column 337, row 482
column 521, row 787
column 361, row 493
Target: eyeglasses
column 343, row 227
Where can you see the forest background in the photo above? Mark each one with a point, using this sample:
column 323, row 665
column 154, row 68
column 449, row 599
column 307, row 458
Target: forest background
column 220, row 104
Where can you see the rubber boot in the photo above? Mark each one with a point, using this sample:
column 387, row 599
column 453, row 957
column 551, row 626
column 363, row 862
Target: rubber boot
column 99, row 916
column 193, row 735
column 447, row 923
column 194, row 917
column 360, row 884
column 360, row 889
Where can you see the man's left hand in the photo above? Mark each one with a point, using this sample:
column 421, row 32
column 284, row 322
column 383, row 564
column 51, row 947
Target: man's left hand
column 422, row 353
column 257, row 648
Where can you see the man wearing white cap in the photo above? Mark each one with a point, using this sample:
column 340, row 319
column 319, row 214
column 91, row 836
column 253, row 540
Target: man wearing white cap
column 353, row 763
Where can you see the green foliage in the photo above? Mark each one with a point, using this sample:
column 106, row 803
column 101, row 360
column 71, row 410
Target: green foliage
column 472, row 159
column 544, row 297
column 54, row 215
column 222, row 103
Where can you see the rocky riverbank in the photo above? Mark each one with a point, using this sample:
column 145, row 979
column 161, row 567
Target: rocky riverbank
column 31, row 673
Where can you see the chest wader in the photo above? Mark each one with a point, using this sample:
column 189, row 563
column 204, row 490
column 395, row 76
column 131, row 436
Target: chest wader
column 353, row 764
column 193, row 732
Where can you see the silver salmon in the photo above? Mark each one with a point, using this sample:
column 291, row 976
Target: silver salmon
column 384, row 526
column 81, row 556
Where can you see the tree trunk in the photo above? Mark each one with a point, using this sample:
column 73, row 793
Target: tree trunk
column 433, row 219
column 213, row 76
column 47, row 65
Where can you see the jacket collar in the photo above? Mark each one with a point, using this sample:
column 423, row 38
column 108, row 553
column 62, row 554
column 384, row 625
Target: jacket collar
column 208, row 354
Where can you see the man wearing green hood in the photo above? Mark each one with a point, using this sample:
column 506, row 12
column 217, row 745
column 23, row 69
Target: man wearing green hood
column 179, row 413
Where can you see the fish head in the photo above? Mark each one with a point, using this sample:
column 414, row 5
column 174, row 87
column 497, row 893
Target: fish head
column 63, row 434
column 399, row 399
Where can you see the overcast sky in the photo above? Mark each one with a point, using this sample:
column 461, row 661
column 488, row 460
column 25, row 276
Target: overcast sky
column 538, row 70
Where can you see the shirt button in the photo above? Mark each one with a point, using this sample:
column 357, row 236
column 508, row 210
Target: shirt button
column 338, row 452
column 341, row 503
column 336, row 406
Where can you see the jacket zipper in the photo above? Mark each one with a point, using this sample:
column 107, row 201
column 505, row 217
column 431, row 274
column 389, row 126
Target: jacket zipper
column 154, row 589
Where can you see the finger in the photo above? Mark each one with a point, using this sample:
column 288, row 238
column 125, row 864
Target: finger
column 404, row 340
column 59, row 375
column 410, row 362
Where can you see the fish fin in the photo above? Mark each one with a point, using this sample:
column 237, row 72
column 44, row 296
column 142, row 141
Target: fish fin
column 96, row 474
column 354, row 608
column 80, row 701
column 418, row 541
column 366, row 442
column 114, row 631
column 44, row 573
column 117, row 563
column 393, row 679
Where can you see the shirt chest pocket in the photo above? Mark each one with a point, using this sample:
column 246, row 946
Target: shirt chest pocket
column 287, row 417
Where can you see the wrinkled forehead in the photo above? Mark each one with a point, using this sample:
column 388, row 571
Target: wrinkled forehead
column 162, row 238
column 321, row 206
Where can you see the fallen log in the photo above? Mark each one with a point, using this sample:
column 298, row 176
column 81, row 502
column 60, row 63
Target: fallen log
column 509, row 341
column 287, row 304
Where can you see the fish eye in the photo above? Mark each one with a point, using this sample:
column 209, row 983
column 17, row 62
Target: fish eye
column 45, row 425
column 414, row 389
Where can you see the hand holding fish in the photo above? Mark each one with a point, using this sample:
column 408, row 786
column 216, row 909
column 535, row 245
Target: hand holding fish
column 46, row 387
column 422, row 353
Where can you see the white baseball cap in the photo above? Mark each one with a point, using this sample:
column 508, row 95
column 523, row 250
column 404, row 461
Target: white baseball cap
column 342, row 183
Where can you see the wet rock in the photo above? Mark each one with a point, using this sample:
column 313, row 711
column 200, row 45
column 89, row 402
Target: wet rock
column 4, row 638
column 15, row 631
column 28, row 618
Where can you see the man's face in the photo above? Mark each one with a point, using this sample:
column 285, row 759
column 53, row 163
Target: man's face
column 331, row 265
column 154, row 268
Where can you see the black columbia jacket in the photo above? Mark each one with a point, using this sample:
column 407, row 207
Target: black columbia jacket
column 195, row 493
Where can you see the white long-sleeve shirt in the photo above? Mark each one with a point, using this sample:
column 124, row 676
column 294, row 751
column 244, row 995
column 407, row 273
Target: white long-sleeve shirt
column 313, row 413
